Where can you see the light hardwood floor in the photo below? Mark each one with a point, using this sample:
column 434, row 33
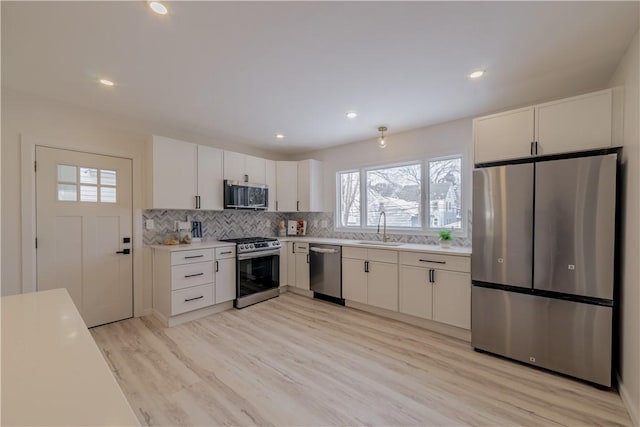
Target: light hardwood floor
column 296, row 361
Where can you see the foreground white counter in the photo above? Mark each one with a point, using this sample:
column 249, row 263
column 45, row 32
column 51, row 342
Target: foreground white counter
column 52, row 370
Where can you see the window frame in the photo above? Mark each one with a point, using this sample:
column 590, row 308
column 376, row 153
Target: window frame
column 424, row 229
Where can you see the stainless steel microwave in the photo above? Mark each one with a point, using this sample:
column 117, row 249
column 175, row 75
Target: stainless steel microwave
column 245, row 195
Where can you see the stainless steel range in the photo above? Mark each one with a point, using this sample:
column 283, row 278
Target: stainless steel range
column 258, row 269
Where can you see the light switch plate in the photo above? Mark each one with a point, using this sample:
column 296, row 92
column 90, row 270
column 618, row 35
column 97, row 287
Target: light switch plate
column 149, row 224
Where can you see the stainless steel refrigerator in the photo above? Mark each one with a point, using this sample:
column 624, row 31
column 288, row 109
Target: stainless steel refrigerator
column 543, row 261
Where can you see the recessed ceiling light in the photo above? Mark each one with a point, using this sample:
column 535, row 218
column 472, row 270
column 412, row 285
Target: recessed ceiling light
column 107, row 82
column 158, row 7
column 476, row 74
column 351, row 114
column 279, row 136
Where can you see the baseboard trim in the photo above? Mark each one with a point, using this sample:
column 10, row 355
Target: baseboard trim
column 628, row 402
column 298, row 291
column 452, row 331
column 193, row 315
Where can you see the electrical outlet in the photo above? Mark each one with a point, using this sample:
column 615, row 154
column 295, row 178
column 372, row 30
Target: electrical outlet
column 315, row 223
column 323, row 223
column 149, row 224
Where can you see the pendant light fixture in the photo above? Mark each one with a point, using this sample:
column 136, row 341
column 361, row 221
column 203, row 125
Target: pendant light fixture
column 382, row 143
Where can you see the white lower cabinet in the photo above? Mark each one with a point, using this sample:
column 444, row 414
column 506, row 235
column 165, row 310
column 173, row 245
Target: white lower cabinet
column 189, row 279
column 436, row 287
column 301, row 256
column 370, row 276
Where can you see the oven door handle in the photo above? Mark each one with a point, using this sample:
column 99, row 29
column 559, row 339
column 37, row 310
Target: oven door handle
column 258, row 254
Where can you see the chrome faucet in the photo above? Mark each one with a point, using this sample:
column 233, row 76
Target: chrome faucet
column 384, row 233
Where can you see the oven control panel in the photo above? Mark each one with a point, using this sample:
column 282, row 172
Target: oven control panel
column 258, row 246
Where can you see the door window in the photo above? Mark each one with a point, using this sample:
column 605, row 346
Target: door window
column 93, row 184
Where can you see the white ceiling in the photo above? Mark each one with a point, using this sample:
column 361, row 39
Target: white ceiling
column 244, row 71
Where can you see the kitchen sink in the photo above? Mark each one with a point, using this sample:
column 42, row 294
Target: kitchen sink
column 376, row 243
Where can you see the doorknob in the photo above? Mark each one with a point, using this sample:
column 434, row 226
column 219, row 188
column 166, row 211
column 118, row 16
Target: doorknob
column 124, row 251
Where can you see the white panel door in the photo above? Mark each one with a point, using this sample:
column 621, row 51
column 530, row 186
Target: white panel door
column 174, row 174
column 287, row 185
column 415, row 291
column 354, row 280
column 234, row 166
column 210, row 178
column 83, row 214
column 382, row 285
column 503, row 136
column 225, row 280
column 452, row 298
column 256, row 169
column 302, row 271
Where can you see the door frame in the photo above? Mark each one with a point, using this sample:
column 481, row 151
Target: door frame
column 28, row 215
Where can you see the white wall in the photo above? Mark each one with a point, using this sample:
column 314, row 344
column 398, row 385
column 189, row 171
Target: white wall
column 627, row 74
column 434, row 141
column 49, row 122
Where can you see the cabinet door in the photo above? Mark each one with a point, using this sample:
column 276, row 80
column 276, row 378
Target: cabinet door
column 287, row 185
column 225, row 280
column 415, row 292
column 284, row 271
column 234, row 166
column 210, row 184
column 310, row 179
column 574, row 124
column 382, row 285
column 256, row 169
column 174, row 174
column 291, row 264
column 354, row 280
column 503, row 136
column 302, row 271
column 452, row 298
column 271, row 182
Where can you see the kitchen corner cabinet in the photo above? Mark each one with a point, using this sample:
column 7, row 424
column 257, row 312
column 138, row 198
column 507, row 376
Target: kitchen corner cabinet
column 182, row 175
column 244, row 168
column 270, row 177
column 572, row 124
column 370, row 276
column 299, row 186
column 436, row 287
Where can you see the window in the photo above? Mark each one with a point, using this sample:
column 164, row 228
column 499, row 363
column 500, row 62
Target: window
column 395, row 191
column 401, row 191
column 92, row 182
column 445, row 193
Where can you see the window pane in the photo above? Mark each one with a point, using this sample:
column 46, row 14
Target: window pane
column 108, row 194
column 445, row 194
column 88, row 193
column 395, row 191
column 349, row 199
column 66, row 174
column 88, row 176
column 107, row 177
column 67, row 192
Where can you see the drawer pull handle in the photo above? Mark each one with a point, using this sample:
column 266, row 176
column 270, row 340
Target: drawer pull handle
column 435, row 262
column 226, row 253
column 194, row 275
column 193, row 299
column 193, row 256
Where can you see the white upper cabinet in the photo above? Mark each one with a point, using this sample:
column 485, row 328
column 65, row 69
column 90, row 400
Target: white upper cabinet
column 504, row 136
column 573, row 124
column 210, row 185
column 270, row 180
column 171, row 174
column 287, row 186
column 299, row 186
column 244, row 168
column 310, row 186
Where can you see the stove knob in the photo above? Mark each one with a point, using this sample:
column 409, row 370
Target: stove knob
column 241, row 247
column 251, row 246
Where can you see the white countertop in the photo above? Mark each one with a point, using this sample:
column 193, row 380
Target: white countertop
column 52, row 370
column 200, row 245
column 410, row 247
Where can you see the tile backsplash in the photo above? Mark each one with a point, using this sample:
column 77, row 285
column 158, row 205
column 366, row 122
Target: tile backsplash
column 218, row 225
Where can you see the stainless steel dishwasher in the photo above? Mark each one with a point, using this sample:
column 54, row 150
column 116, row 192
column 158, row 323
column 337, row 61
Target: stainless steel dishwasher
column 325, row 272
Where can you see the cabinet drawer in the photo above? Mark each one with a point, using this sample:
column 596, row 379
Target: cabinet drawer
column 442, row 262
column 382, row 255
column 184, row 276
column 191, row 299
column 188, row 257
column 301, row 248
column 354, row 253
column 226, row 252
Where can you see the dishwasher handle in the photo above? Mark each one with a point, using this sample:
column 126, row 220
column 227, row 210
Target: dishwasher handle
column 323, row 250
